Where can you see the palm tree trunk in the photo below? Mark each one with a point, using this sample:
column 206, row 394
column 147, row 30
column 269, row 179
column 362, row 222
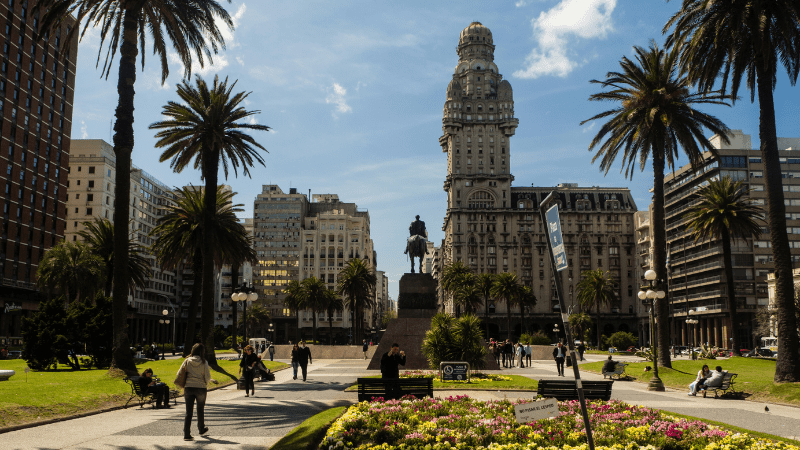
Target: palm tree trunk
column 330, row 327
column 726, row 255
column 109, row 279
column 659, row 263
column 508, row 314
column 486, row 314
column 234, row 285
column 314, row 334
column 191, row 320
column 787, row 366
column 522, row 327
column 597, row 321
column 122, row 357
column 211, row 164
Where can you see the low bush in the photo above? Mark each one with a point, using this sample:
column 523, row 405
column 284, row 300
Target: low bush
column 537, row 338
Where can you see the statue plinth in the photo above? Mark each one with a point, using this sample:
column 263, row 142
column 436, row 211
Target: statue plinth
column 417, row 299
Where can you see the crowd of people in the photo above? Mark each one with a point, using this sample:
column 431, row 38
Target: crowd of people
column 508, row 354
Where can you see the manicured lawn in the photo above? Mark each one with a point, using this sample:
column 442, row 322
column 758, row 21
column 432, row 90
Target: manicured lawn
column 309, row 433
column 63, row 392
column 754, row 376
column 516, row 383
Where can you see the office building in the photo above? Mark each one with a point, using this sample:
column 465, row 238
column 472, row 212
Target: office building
column 697, row 275
column 37, row 83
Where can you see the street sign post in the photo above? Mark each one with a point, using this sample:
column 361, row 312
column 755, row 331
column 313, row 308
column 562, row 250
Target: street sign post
column 454, row 371
column 556, row 244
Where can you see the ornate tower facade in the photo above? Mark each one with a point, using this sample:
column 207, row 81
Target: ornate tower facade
column 477, row 127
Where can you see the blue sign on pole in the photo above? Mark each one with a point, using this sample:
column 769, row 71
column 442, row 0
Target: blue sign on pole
column 556, row 241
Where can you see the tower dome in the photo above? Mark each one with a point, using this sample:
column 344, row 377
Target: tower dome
column 475, row 33
column 454, row 89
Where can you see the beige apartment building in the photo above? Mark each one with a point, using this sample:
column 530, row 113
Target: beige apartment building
column 495, row 227
column 90, row 195
column 697, row 276
column 296, row 239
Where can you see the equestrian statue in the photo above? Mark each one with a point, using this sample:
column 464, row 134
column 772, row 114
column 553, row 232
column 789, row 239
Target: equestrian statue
column 417, row 243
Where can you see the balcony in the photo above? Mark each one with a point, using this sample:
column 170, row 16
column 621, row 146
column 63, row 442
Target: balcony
column 707, row 280
column 690, row 270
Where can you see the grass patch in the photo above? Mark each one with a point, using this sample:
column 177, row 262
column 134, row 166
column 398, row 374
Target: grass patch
column 64, row 392
column 755, row 377
column 308, row 434
column 736, row 429
column 517, row 383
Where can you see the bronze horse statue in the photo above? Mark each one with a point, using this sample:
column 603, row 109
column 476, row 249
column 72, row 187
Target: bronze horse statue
column 416, row 247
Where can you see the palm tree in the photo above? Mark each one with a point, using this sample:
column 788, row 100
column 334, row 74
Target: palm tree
column 595, row 290
column 356, row 285
column 506, row 288
column 724, row 213
column 468, row 295
column 294, row 300
column 580, row 322
column 314, row 292
column 484, row 282
column 191, row 27
column 99, row 235
column 179, row 236
column 207, row 128
column 726, row 41
column 526, row 299
column 654, row 118
column 331, row 303
column 454, row 277
column 257, row 318
column 71, row 269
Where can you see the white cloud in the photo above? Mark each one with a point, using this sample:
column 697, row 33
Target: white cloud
column 84, row 133
column 240, row 61
column 520, row 3
column 590, row 127
column 335, row 96
column 554, row 30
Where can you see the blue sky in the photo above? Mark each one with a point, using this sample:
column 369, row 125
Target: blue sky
column 354, row 92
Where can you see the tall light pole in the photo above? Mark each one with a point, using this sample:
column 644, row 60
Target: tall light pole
column 174, row 322
column 164, row 322
column 650, row 296
column 692, row 322
column 244, row 294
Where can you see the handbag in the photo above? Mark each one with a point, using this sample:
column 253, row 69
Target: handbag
column 180, row 379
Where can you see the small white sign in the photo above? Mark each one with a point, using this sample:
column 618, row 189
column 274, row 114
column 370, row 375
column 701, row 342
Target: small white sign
column 538, row 410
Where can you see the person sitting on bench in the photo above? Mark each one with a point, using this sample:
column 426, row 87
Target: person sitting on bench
column 610, row 365
column 159, row 390
column 716, row 379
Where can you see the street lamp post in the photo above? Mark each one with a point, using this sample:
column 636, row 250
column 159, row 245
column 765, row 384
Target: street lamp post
column 271, row 331
column 692, row 322
column 165, row 322
column 174, row 322
column 650, row 296
column 244, row 294
column 555, row 330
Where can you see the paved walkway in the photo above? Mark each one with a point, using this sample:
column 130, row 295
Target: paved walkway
column 237, row 422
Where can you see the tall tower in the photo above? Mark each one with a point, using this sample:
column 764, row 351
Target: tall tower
column 477, row 127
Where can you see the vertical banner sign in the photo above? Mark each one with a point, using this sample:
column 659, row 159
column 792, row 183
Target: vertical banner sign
column 556, row 240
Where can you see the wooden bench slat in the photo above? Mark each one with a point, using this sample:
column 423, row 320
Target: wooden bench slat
column 376, row 387
column 566, row 390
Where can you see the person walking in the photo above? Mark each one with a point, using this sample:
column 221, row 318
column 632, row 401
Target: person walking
column 248, row 363
column 194, row 376
column 365, row 348
column 508, row 349
column 520, row 354
column 559, row 354
column 528, row 353
column 271, row 352
column 295, row 360
column 304, row 358
column 581, row 349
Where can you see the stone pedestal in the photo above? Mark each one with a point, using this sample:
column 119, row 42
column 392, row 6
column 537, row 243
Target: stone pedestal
column 416, row 305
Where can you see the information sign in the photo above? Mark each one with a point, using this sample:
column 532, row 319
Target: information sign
column 556, row 241
column 454, row 370
column 538, row 410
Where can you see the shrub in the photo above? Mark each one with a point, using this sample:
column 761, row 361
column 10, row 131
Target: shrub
column 44, row 335
column 451, row 339
column 622, row 340
column 537, row 338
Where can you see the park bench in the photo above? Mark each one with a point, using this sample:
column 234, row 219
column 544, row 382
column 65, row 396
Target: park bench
column 145, row 397
column 565, row 389
column 727, row 384
column 392, row 389
column 619, row 371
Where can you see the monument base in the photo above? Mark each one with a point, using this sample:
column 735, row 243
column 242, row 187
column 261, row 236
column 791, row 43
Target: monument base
column 409, row 333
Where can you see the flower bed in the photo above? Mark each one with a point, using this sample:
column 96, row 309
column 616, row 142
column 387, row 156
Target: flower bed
column 463, row 423
column 475, row 377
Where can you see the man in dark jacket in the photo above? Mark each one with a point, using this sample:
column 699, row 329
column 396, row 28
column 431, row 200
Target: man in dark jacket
column 365, row 348
column 304, row 358
column 508, row 352
column 559, row 354
column 390, row 362
column 609, row 366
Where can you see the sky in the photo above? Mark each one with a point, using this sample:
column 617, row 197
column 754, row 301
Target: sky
column 354, row 91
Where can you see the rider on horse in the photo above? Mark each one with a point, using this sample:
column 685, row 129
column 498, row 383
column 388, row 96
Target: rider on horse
column 417, row 244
